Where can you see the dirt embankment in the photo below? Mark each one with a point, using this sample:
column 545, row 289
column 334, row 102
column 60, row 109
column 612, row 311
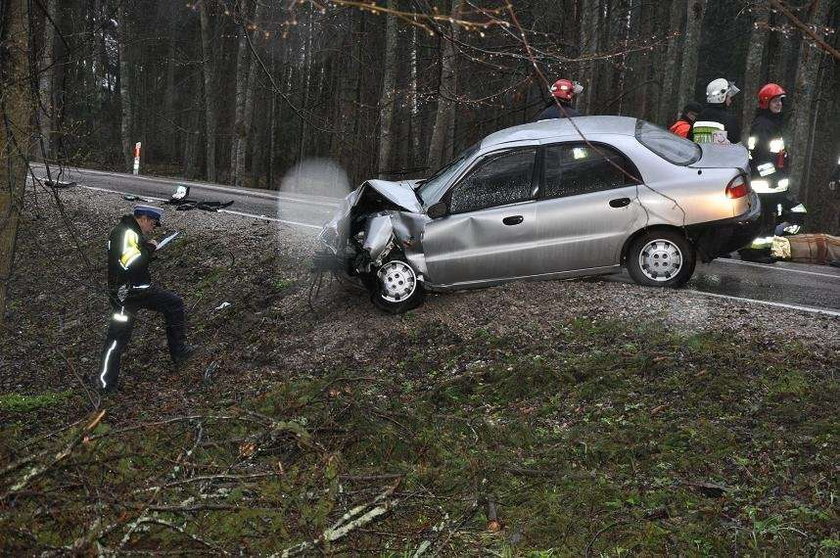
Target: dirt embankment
column 618, row 402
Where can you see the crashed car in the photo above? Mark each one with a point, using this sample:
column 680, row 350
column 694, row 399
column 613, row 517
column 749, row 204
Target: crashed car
column 551, row 199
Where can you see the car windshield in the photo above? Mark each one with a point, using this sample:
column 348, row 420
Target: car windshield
column 670, row 147
column 431, row 189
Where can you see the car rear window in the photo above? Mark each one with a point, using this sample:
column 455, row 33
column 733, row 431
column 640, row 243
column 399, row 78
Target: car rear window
column 671, row 147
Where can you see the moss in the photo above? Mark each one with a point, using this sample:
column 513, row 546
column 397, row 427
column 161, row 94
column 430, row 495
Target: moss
column 18, row 403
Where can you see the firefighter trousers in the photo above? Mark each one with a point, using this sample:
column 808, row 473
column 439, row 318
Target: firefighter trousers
column 121, row 325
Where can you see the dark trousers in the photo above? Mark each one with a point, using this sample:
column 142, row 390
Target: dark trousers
column 770, row 215
column 121, row 324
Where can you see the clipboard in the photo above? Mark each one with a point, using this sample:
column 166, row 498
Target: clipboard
column 167, row 240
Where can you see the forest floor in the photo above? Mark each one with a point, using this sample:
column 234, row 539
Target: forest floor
column 542, row 419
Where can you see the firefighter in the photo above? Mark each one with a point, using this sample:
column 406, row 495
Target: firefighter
column 130, row 289
column 715, row 124
column 769, row 167
column 685, row 123
column 563, row 92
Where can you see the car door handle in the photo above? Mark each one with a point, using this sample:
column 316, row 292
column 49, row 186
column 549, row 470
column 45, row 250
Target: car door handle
column 513, row 220
column 619, row 202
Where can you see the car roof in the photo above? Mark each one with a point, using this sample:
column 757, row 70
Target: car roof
column 558, row 127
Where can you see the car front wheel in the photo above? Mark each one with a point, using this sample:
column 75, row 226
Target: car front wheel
column 396, row 288
column 661, row 259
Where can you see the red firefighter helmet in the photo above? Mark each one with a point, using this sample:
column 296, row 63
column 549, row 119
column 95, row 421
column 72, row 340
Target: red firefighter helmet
column 565, row 89
column 768, row 92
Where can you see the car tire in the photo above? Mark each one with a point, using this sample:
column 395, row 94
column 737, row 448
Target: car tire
column 661, row 259
column 395, row 287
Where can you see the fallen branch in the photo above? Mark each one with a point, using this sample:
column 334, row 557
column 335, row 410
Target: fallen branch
column 599, row 533
column 353, row 519
column 40, row 469
column 206, row 478
column 161, row 522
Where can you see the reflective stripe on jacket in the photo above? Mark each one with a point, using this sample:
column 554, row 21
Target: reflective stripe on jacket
column 128, row 256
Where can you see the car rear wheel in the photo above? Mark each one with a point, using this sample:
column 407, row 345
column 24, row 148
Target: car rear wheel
column 661, row 259
column 396, row 288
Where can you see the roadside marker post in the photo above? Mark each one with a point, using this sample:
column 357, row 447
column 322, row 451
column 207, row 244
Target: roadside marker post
column 137, row 158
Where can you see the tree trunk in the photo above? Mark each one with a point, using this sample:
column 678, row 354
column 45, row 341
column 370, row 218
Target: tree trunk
column 752, row 72
column 691, row 50
column 806, row 77
column 14, row 121
column 784, row 55
column 248, row 115
column 415, row 121
column 386, row 100
column 192, row 136
column 590, row 15
column 45, row 81
column 272, row 124
column 667, row 110
column 126, row 126
column 444, row 119
column 209, row 91
column 243, row 57
column 171, row 92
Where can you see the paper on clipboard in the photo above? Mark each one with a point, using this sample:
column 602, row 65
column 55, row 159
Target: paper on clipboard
column 167, row 240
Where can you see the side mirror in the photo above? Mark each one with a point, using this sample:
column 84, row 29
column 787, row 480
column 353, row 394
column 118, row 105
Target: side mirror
column 437, row 210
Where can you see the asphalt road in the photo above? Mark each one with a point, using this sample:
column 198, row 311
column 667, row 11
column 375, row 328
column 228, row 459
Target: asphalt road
column 294, row 209
column 814, row 288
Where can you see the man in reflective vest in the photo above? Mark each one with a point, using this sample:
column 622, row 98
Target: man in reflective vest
column 770, row 180
column 130, row 289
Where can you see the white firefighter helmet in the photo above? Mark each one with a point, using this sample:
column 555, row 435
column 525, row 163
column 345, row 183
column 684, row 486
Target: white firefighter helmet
column 719, row 89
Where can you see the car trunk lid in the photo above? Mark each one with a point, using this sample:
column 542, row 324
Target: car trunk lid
column 723, row 156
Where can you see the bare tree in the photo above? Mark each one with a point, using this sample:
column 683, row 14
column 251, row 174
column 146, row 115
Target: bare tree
column 589, row 14
column 691, row 50
column 209, row 91
column 45, row 79
column 126, row 126
column 667, row 108
column 15, row 106
column 250, row 92
column 806, row 77
column 386, row 102
column 752, row 72
column 243, row 57
column 445, row 117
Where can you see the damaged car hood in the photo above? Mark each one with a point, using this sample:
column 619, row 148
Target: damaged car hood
column 401, row 193
column 335, row 232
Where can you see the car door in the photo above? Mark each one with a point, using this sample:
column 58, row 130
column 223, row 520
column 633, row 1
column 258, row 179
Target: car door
column 488, row 234
column 587, row 208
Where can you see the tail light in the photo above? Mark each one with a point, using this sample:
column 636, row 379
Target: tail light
column 738, row 187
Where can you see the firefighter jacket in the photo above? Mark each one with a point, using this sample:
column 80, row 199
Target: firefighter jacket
column 553, row 111
column 768, row 158
column 128, row 258
column 715, row 124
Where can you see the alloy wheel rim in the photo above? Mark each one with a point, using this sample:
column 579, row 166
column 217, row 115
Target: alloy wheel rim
column 660, row 260
column 397, row 281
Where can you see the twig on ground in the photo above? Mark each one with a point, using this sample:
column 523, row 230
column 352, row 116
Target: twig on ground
column 40, row 469
column 353, row 519
column 599, row 533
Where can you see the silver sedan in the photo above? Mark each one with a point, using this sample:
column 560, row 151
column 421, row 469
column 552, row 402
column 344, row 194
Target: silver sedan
column 551, row 199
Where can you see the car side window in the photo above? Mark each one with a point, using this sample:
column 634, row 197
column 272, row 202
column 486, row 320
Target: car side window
column 498, row 180
column 571, row 169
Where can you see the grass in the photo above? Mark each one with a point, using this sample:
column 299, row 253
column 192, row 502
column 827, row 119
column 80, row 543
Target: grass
column 613, row 438
column 19, row 403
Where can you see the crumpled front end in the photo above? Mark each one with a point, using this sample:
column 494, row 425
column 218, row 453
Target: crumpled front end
column 334, row 234
column 375, row 222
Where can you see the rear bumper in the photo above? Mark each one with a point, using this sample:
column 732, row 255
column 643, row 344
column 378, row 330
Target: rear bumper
column 717, row 238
